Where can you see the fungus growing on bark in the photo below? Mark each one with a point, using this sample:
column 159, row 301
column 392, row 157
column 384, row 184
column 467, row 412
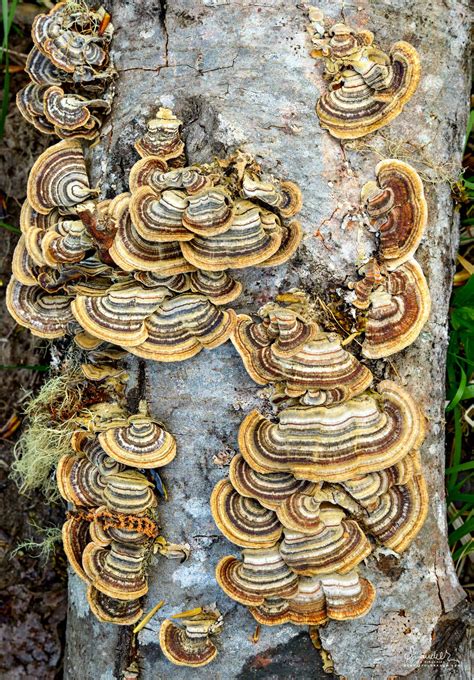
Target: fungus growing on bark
column 129, row 492
column 368, row 88
column 399, row 308
column 162, row 137
column 79, row 481
column 110, row 610
column 348, row 596
column 316, row 443
column 311, row 364
column 243, row 520
column 271, row 490
column 46, row 316
column 75, row 534
column 397, row 208
column 186, row 640
column 142, row 443
column 116, row 570
column 219, row 287
column 58, row 178
column 261, row 574
column 285, row 197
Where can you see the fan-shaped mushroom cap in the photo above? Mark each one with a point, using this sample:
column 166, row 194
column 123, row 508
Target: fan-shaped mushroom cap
column 183, row 326
column 208, row 212
column 75, row 534
column 58, row 178
column 262, row 574
column 41, row 70
column 68, row 111
column 363, row 288
column 162, row 137
column 110, row 610
column 68, row 243
column 292, row 234
column 129, row 492
column 353, row 108
column 29, row 101
column 117, row 571
column 400, row 514
column 159, row 216
column 271, row 490
column 190, row 645
column 398, row 312
column 131, row 251
column 152, row 171
column 143, row 444
column 339, row 545
column 46, row 316
column 285, row 197
column 245, row 243
column 219, row 287
column 119, row 316
column 243, row 520
column 348, row 596
column 79, row 481
column 367, row 489
column 24, row 269
column 88, row 445
column 316, row 443
column 178, row 283
column 306, row 608
column 397, row 205
column 322, row 368
column 302, row 512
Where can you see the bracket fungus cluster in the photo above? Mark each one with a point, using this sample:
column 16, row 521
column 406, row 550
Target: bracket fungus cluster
column 393, row 297
column 310, row 494
column 112, row 523
column 367, row 87
column 69, row 68
column 148, row 269
column 186, row 640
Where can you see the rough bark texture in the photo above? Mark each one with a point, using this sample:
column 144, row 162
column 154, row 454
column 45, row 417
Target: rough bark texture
column 240, row 75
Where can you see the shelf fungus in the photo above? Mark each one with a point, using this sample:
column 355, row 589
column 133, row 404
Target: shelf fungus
column 186, row 640
column 398, row 308
column 311, row 364
column 362, row 435
column 69, row 67
column 368, row 88
column 397, row 209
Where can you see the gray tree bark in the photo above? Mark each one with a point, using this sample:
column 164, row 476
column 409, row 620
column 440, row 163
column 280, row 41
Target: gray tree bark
column 240, row 75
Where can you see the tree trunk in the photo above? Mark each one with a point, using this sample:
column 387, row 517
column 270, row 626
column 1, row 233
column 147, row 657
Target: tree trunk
column 239, row 74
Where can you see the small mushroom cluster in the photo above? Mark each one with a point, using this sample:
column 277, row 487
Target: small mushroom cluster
column 393, row 297
column 186, row 640
column 149, row 269
column 340, row 463
column 69, row 68
column 111, row 527
column 367, row 87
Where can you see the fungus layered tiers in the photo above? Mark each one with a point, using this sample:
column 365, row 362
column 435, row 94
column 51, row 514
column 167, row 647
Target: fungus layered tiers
column 338, row 465
column 147, row 269
column 187, row 641
column 393, row 294
column 69, row 68
column 368, row 88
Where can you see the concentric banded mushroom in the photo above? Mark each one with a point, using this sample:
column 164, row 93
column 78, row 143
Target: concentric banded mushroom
column 243, row 520
column 398, row 311
column 162, row 137
column 186, row 642
column 117, row 571
column 143, row 443
column 75, row 535
column 110, row 610
column 129, row 492
column 46, row 316
column 58, row 178
column 397, row 207
column 306, row 608
column 348, row 596
column 316, row 443
column 79, row 481
column 261, row 574
column 285, row 197
column 219, row 287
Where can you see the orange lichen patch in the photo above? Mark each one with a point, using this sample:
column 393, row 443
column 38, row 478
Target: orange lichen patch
column 162, row 137
column 46, row 316
column 398, row 311
column 187, row 642
column 110, row 610
column 116, row 570
column 397, row 207
column 316, row 443
column 75, row 533
column 338, row 545
column 368, row 88
column 143, row 443
column 271, row 490
column 182, row 327
column 261, row 574
column 243, row 520
column 400, row 514
column 58, row 178
column 310, row 363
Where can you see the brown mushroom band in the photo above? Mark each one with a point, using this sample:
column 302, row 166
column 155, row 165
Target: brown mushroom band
column 70, row 69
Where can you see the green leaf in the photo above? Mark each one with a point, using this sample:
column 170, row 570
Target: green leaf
column 463, row 551
column 9, row 227
column 457, row 534
column 470, row 125
column 465, row 294
column 459, row 392
column 462, row 467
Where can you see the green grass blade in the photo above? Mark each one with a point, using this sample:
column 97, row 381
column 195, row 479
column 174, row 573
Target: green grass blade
column 9, row 227
column 459, row 392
